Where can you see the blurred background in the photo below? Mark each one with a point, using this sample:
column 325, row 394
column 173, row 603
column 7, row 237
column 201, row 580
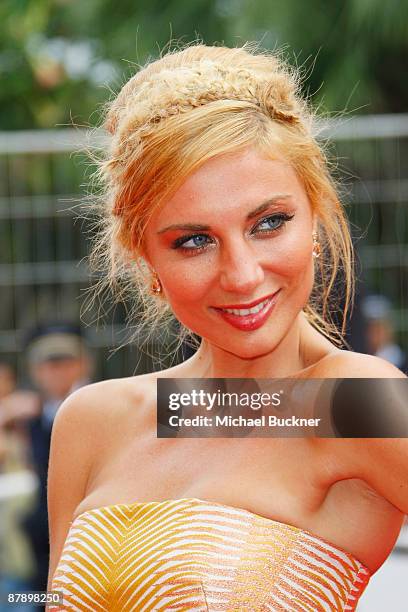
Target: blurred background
column 60, row 61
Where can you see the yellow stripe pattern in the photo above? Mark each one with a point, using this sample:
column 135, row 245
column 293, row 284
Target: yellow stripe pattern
column 192, row 554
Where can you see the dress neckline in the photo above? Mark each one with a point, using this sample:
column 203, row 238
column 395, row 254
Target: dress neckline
column 238, row 510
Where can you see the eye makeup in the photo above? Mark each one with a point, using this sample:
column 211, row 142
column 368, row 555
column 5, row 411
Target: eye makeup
column 201, row 241
column 277, row 220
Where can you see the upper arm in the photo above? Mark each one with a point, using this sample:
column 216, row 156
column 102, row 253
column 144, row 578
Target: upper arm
column 71, row 452
column 381, row 462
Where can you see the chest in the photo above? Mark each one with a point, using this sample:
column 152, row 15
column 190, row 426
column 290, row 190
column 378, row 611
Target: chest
column 282, row 479
column 287, row 480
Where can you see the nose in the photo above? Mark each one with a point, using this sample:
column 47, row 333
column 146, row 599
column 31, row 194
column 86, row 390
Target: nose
column 241, row 271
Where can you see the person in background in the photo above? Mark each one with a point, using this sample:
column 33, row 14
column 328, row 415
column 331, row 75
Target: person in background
column 17, row 488
column 380, row 335
column 58, row 363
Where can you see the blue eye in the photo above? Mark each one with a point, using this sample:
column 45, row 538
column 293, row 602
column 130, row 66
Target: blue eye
column 273, row 222
column 198, row 241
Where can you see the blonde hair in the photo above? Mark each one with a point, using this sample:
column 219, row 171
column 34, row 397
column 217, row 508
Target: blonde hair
column 177, row 113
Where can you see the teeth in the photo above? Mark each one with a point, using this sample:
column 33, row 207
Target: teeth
column 242, row 312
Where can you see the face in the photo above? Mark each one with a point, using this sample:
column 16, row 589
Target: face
column 233, row 251
column 55, row 377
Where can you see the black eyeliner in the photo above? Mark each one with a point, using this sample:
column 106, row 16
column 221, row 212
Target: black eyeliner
column 178, row 242
column 281, row 216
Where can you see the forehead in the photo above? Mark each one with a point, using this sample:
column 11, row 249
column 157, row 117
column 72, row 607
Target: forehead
column 230, row 183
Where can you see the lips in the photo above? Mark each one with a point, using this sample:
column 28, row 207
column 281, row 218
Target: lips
column 241, row 312
column 251, row 316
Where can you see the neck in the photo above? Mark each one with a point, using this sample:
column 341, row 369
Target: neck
column 285, row 359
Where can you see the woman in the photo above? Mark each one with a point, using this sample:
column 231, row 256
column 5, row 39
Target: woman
column 219, row 198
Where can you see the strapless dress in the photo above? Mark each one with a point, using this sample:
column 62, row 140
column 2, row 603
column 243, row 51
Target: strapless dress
column 192, row 554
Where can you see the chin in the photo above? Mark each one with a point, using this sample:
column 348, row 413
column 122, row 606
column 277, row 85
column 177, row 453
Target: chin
column 247, row 349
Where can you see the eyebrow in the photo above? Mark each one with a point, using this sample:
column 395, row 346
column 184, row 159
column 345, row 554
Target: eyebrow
column 197, row 227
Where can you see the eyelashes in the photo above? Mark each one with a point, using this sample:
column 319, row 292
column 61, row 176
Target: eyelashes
column 277, row 221
column 198, row 242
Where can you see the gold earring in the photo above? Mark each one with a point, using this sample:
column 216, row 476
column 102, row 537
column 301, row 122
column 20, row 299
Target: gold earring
column 156, row 286
column 317, row 249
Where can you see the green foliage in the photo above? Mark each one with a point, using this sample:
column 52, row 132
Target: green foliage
column 59, row 59
column 357, row 48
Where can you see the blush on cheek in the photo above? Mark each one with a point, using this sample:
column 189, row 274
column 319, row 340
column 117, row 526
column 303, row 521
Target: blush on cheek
column 298, row 271
column 187, row 280
column 306, row 282
column 293, row 259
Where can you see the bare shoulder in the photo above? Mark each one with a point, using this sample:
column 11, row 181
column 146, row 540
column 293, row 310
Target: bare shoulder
column 98, row 417
column 102, row 402
column 347, row 364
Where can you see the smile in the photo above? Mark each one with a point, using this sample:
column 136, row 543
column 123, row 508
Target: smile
column 241, row 312
column 250, row 316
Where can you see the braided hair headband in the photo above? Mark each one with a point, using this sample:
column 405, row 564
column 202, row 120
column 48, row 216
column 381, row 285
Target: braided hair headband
column 177, row 90
column 143, row 103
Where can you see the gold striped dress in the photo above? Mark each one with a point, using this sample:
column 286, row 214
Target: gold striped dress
column 192, row 554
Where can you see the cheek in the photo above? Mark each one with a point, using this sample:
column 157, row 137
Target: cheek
column 290, row 257
column 299, row 264
column 188, row 280
column 299, row 269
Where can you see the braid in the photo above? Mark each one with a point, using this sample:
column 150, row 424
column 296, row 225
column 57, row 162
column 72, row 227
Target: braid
column 171, row 91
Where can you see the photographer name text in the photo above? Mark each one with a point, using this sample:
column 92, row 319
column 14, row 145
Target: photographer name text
column 241, row 421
